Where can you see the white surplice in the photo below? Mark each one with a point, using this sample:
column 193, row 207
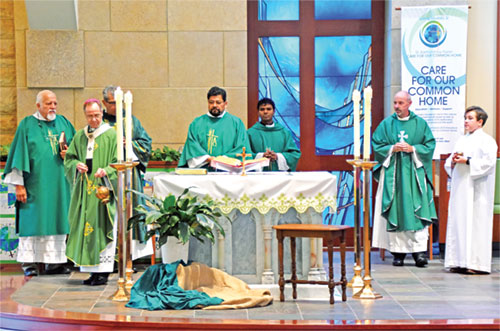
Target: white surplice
column 470, row 210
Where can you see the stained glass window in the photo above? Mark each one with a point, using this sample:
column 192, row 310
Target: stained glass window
column 342, row 9
column 278, row 10
column 279, row 79
column 335, row 58
column 342, row 64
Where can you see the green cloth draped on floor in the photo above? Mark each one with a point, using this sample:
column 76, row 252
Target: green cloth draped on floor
column 158, row 289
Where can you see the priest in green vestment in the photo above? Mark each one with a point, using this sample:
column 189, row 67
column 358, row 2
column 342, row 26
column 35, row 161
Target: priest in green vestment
column 214, row 134
column 403, row 145
column 92, row 237
column 141, row 146
column 35, row 167
column 271, row 140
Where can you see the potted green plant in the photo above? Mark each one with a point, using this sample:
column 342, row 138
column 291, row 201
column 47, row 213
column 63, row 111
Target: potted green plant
column 179, row 217
column 165, row 157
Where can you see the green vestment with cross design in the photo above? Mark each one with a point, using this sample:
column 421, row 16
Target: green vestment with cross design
column 35, row 152
column 407, row 200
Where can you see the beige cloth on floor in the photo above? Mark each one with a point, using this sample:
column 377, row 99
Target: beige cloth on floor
column 216, row 283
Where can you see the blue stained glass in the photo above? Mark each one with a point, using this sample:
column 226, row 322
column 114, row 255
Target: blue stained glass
column 278, row 10
column 342, row 9
column 342, row 64
column 279, row 79
column 345, row 200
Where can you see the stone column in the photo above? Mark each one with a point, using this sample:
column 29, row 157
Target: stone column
column 266, row 221
column 221, row 242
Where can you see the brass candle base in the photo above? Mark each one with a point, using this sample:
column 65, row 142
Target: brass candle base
column 121, row 293
column 367, row 291
column 129, row 282
column 357, row 281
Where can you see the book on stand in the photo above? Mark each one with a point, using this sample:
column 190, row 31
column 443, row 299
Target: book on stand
column 233, row 165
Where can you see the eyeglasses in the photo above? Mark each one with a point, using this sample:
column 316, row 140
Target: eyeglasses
column 111, row 102
column 93, row 116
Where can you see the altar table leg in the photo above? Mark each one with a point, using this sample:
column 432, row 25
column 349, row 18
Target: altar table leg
column 281, row 281
column 294, row 268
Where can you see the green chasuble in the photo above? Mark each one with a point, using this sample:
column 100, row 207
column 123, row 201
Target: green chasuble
column 276, row 138
column 35, row 152
column 407, row 201
column 91, row 221
column 141, row 145
column 215, row 137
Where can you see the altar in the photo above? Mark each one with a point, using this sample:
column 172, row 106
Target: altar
column 254, row 203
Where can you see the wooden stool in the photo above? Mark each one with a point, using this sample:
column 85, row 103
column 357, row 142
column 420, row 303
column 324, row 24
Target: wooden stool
column 328, row 233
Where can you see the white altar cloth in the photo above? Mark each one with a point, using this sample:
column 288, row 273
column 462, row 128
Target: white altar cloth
column 269, row 198
column 262, row 191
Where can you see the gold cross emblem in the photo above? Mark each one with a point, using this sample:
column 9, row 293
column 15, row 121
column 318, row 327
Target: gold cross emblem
column 54, row 141
column 212, row 140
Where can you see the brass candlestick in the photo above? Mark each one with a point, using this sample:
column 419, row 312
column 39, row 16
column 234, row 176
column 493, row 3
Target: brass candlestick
column 356, row 282
column 129, row 210
column 121, row 294
column 125, row 271
column 367, row 291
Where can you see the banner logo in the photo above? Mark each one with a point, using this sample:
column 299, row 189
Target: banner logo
column 432, row 34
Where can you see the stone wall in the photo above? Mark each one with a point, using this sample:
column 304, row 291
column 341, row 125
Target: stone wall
column 168, row 53
column 8, row 98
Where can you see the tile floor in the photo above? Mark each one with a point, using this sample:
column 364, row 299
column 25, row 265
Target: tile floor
column 408, row 292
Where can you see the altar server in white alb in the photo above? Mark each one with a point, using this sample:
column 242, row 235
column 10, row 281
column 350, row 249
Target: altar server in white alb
column 470, row 212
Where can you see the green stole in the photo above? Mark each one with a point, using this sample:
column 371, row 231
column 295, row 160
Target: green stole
column 407, row 200
column 207, row 135
column 35, row 152
column 276, row 138
column 91, row 221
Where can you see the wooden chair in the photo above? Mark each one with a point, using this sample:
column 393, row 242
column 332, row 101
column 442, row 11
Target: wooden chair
column 328, row 233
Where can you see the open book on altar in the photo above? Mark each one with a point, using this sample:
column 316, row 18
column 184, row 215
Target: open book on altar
column 230, row 164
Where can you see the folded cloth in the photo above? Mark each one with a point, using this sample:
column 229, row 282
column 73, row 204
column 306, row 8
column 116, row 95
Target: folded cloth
column 216, row 283
column 181, row 286
column 158, row 289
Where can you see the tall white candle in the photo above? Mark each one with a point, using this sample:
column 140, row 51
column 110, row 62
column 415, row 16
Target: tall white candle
column 119, row 124
column 356, row 97
column 367, row 95
column 128, row 126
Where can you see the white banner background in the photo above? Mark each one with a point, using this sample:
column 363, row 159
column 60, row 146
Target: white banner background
column 433, row 68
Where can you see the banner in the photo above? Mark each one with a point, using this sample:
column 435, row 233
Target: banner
column 433, row 68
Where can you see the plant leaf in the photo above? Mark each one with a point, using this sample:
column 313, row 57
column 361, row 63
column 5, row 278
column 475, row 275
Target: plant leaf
column 169, row 202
